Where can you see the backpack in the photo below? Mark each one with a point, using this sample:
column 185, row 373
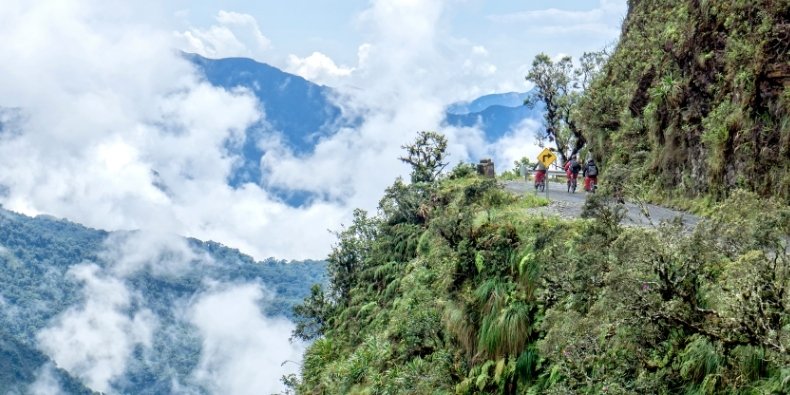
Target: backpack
column 575, row 167
column 592, row 170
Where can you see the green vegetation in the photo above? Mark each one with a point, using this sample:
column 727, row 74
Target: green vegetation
column 37, row 253
column 455, row 287
column 19, row 365
column 515, row 172
column 426, row 156
column 694, row 101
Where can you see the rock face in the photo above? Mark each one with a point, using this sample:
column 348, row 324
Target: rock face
column 695, row 99
column 486, row 168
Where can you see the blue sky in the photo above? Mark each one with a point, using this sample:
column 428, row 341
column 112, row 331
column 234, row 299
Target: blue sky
column 509, row 32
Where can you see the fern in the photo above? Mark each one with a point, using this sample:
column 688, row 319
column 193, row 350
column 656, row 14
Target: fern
column 506, row 332
column 699, row 359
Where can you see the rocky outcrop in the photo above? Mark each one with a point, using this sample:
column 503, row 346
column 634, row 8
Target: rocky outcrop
column 695, row 99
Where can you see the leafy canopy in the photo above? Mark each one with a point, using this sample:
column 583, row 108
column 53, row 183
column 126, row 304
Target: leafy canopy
column 426, row 156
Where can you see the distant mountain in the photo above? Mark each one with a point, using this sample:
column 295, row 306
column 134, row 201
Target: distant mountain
column 495, row 121
column 303, row 112
column 299, row 109
column 38, row 257
column 509, row 99
column 495, row 114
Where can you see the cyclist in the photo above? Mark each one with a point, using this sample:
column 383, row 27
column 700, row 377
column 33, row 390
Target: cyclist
column 572, row 169
column 590, row 176
column 540, row 176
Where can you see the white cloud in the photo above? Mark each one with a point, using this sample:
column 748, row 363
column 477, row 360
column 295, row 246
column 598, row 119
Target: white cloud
column 318, row 68
column 516, row 144
column 363, row 53
column 118, row 132
column 243, row 352
column 465, row 143
column 482, row 69
column 479, row 50
column 550, row 15
column 601, row 29
column 604, row 9
column 95, row 340
column 161, row 254
column 409, row 68
column 555, row 21
column 235, row 34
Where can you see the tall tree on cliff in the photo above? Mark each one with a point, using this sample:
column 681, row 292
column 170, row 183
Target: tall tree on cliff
column 559, row 86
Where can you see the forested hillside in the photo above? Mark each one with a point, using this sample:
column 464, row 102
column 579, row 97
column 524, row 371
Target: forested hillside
column 54, row 270
column 456, row 287
column 20, row 365
column 695, row 99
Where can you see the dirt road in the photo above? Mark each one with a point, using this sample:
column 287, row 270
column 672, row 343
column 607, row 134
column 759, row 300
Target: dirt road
column 570, row 205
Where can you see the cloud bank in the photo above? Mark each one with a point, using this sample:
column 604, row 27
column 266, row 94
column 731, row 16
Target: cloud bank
column 126, row 323
column 46, row 383
column 243, row 351
column 407, row 72
column 117, row 131
column 234, row 35
column 555, row 21
column 95, row 340
column 318, row 68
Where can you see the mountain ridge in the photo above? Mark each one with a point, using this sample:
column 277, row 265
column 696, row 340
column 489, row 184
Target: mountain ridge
column 302, row 112
column 505, row 99
column 48, row 267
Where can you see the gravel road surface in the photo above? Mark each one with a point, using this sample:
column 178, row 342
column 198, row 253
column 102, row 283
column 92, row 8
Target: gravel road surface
column 570, row 205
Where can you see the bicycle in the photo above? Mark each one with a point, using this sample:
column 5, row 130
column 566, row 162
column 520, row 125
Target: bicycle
column 590, row 184
column 572, row 183
column 540, row 181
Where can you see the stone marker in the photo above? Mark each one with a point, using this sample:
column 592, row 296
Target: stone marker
column 486, row 168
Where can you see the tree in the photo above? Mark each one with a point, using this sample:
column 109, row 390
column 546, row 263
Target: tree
column 524, row 161
column 559, row 87
column 350, row 255
column 590, row 64
column 426, row 156
column 312, row 315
